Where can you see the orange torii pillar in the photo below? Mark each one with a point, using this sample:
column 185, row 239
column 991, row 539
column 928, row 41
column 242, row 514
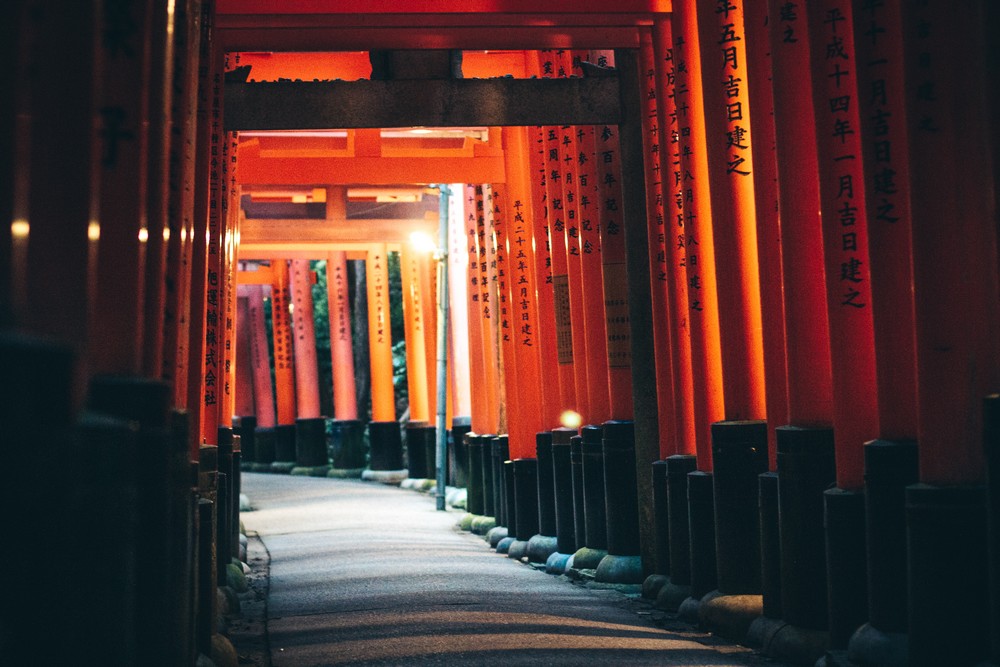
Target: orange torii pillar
column 739, row 443
column 682, row 461
column 310, row 426
column 652, row 143
column 346, row 434
column 805, row 457
column 458, row 309
column 891, row 460
column 949, row 56
column 263, row 394
column 765, row 181
column 383, row 430
column 699, row 248
column 848, row 295
column 244, row 416
column 284, row 368
column 419, row 433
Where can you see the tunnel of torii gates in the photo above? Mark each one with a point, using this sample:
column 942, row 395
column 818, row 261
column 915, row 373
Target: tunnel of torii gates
column 751, row 247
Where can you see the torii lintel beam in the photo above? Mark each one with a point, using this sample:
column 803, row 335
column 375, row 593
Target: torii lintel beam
column 432, row 103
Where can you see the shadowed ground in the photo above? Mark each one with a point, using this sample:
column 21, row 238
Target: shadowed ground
column 365, row 574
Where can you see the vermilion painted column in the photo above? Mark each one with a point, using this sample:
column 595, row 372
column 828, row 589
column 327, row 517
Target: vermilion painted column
column 486, row 298
column 345, row 404
column 677, row 285
column 653, row 143
column 949, row 56
column 890, row 461
column 180, row 208
column 428, row 289
column 765, row 181
column 852, row 339
column 416, row 348
column 284, row 361
column 227, row 276
column 458, row 320
column 263, row 394
column 511, row 415
column 380, row 335
column 306, row 368
column 243, row 388
column 697, row 234
column 163, row 31
column 523, row 306
column 805, row 448
column 477, row 361
column 116, row 345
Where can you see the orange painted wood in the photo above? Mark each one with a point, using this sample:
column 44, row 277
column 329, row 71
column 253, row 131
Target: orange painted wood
column 653, row 143
column 515, row 197
column 677, row 285
column 765, row 168
column 263, row 389
column 729, row 139
column 117, row 341
column 549, row 374
column 421, row 7
column 161, row 105
column 887, row 188
column 845, row 237
column 380, row 336
column 243, row 388
column 513, row 405
column 303, row 318
column 283, row 354
column 488, row 309
column 610, row 206
column 429, row 295
column 698, row 232
column 227, row 288
column 480, row 393
column 810, row 400
column 413, row 320
column 458, row 295
column 345, row 402
column 947, row 51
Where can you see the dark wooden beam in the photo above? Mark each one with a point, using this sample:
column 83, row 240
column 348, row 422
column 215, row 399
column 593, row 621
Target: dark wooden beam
column 439, row 103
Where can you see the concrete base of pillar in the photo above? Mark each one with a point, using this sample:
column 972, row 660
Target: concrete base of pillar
column 688, row 610
column 540, row 547
column 557, row 563
column 653, row 584
column 730, row 616
column 870, row 647
column 588, row 559
column 310, row 471
column 456, row 497
column 391, row 477
column 615, row 569
column 762, row 631
column 496, row 534
column 483, row 524
column 282, row 467
column 345, row 473
column 671, row 596
column 503, row 546
column 790, row 643
column 517, row 549
column 465, row 523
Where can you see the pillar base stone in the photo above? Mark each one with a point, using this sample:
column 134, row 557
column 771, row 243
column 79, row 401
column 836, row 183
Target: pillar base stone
column 483, row 524
column 762, row 631
column 615, row 569
column 870, row 646
column 496, row 534
column 797, row 645
column 540, row 547
column 310, row 471
column 653, row 584
column 503, row 546
column 345, row 473
column 730, row 616
column 517, row 549
column 391, row 477
column 671, row 596
column 465, row 523
column 282, row 467
column 557, row 563
column 588, row 559
column 688, row 610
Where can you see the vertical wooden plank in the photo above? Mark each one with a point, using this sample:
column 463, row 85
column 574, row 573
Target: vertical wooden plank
column 263, row 394
column 243, row 388
column 303, row 318
column 380, row 335
column 284, row 361
column 345, row 402
column 413, row 320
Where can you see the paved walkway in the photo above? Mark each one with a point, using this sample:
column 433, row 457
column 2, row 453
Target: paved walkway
column 365, row 574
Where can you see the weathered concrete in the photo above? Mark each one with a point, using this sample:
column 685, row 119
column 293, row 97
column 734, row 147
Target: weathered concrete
column 370, row 574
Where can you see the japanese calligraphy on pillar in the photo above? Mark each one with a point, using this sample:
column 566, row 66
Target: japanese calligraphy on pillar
column 498, row 242
column 338, row 278
column 381, row 289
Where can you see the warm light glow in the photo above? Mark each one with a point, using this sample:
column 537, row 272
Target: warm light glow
column 166, row 234
column 300, row 199
column 423, row 242
column 94, row 230
column 184, row 234
column 420, row 130
column 19, row 229
column 570, row 419
column 143, row 234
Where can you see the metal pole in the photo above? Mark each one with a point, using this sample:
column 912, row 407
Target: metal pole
column 442, row 349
